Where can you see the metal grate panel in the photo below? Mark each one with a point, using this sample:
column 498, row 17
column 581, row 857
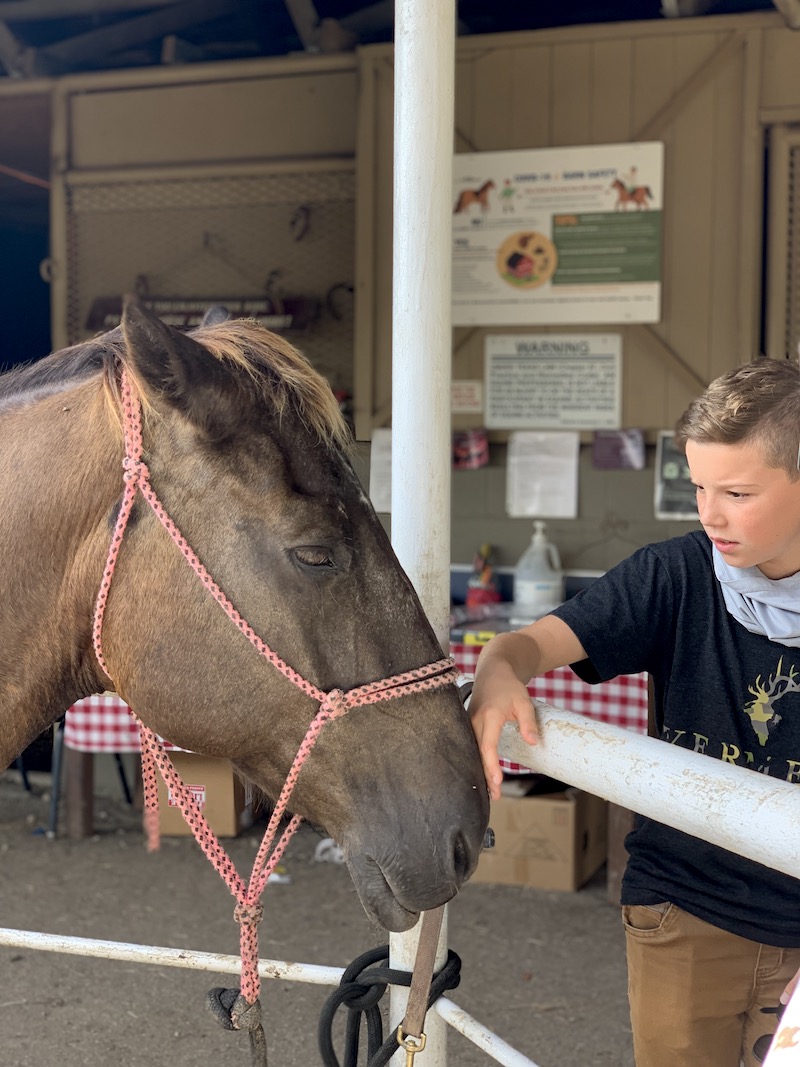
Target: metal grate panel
column 287, row 235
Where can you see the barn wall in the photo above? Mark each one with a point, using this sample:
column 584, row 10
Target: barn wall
column 229, row 181
column 711, row 89
column 708, row 88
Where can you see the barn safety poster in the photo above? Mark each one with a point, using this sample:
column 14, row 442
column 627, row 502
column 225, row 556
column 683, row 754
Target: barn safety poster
column 558, row 235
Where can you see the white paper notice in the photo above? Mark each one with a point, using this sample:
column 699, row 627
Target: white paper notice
column 542, row 475
column 466, row 397
column 380, row 470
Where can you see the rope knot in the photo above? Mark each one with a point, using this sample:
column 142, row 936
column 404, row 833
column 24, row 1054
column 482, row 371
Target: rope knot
column 134, row 470
column 335, row 704
column 248, row 914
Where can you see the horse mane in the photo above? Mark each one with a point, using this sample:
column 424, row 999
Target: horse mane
column 284, row 379
column 60, row 369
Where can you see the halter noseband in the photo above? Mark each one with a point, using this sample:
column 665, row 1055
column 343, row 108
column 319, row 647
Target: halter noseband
column 333, row 705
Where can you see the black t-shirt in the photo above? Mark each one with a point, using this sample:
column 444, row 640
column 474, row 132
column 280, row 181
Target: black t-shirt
column 719, row 690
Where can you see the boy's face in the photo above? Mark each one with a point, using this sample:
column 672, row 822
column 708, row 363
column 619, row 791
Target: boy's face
column 750, row 511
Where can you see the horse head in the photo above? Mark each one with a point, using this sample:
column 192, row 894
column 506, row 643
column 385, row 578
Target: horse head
column 248, row 451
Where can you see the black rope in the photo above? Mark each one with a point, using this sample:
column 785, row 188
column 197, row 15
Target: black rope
column 361, row 987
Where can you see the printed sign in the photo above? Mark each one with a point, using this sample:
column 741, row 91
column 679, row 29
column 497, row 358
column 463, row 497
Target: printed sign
column 553, row 381
column 558, row 235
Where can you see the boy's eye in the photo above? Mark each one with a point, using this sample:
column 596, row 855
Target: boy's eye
column 738, row 496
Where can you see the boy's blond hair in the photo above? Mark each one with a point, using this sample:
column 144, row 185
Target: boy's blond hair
column 757, row 402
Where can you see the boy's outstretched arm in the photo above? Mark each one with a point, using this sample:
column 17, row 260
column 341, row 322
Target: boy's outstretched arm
column 500, row 695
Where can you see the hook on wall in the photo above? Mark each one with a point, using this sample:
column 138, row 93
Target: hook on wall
column 300, row 221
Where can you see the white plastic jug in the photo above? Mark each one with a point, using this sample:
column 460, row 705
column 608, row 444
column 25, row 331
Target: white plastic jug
column 538, row 578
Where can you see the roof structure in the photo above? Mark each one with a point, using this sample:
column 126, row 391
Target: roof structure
column 49, row 38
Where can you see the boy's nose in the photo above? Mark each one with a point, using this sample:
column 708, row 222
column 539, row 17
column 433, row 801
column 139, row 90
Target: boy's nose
column 709, row 512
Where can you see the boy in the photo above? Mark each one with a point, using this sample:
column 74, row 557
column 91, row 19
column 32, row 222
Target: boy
column 714, row 618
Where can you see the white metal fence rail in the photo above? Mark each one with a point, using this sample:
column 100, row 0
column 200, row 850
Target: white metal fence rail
column 751, row 814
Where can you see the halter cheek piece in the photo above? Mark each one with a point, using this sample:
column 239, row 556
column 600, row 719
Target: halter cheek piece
column 333, row 705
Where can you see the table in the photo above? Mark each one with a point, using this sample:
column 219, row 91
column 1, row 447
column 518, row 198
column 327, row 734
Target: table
column 100, row 723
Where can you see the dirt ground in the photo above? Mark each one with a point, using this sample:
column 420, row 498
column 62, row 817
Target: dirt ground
column 544, row 970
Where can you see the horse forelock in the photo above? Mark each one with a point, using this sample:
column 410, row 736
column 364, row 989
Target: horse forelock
column 283, row 377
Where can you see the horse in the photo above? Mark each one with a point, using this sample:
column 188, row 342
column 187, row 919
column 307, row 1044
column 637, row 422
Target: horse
column 638, row 195
column 248, row 451
column 469, row 197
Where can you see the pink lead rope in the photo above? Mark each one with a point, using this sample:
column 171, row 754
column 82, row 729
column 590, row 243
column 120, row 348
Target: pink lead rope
column 333, row 705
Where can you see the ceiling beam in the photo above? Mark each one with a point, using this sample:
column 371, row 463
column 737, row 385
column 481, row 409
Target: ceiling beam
column 372, row 19
column 12, row 54
column 108, row 40
column 790, row 9
column 676, row 9
column 35, row 10
column 306, row 21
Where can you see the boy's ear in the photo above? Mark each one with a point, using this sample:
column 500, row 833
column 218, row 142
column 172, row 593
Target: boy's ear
column 179, row 371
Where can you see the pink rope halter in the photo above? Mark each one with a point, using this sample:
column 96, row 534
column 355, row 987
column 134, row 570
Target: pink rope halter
column 333, row 705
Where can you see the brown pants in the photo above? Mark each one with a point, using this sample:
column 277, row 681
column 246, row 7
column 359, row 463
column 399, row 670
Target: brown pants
column 696, row 991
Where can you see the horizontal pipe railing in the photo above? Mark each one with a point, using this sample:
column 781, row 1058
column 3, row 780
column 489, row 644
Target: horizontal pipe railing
column 162, row 956
column 751, row 814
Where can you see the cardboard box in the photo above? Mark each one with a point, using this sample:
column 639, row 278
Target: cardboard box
column 219, row 791
column 551, row 841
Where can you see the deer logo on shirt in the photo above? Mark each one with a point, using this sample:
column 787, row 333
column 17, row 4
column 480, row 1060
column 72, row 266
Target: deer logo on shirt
column 761, row 710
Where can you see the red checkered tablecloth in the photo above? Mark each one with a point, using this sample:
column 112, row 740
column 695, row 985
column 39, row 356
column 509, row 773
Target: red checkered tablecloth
column 622, row 701
column 102, row 723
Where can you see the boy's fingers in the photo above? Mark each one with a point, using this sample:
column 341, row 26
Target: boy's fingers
column 526, row 717
column 487, row 746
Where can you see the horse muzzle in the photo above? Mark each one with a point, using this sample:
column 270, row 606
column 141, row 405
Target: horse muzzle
column 397, row 879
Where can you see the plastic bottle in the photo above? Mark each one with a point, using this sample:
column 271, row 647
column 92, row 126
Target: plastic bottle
column 538, row 577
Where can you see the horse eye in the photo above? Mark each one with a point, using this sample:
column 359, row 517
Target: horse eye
column 314, row 556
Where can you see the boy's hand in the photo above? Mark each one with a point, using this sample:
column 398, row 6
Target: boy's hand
column 491, row 707
column 500, row 694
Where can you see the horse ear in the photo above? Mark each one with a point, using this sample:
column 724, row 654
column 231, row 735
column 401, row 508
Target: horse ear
column 178, row 369
column 215, row 314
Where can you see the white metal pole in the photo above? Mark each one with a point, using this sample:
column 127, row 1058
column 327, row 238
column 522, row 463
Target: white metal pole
column 421, row 330
column 424, row 95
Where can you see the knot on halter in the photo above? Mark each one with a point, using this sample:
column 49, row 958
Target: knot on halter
column 248, row 914
column 134, row 470
column 334, row 704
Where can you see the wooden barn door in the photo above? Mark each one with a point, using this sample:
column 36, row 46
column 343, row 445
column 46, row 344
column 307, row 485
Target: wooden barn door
column 692, row 86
